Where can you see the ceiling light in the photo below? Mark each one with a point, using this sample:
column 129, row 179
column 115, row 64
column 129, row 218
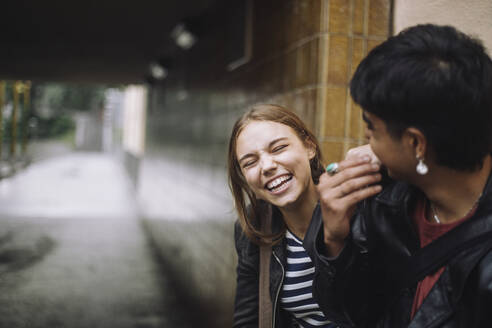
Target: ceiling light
column 157, row 71
column 182, row 36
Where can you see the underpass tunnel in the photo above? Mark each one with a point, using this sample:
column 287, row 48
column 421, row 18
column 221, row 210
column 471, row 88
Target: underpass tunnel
column 171, row 77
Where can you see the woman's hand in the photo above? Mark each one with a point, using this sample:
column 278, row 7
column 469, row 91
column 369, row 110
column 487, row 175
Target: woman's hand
column 339, row 193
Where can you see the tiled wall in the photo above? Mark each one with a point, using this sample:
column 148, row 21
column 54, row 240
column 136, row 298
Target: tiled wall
column 303, row 54
column 350, row 29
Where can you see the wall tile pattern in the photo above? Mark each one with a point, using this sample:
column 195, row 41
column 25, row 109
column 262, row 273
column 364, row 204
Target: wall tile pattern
column 352, row 29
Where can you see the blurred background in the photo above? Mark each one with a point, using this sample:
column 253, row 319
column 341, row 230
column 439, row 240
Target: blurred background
column 115, row 117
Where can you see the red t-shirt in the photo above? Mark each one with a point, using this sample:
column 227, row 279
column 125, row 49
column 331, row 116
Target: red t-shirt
column 429, row 231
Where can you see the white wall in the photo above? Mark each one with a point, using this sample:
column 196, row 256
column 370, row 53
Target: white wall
column 473, row 17
column 134, row 106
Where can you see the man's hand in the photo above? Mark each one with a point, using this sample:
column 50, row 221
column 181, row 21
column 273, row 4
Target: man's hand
column 339, row 193
column 361, row 151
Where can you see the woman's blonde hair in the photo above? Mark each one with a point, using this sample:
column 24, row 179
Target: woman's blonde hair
column 250, row 216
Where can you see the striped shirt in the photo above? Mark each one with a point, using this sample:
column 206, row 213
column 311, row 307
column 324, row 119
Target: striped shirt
column 296, row 296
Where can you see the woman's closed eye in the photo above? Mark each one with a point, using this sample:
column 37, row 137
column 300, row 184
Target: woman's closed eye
column 249, row 163
column 278, row 148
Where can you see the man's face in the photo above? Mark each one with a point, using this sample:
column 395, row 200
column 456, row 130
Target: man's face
column 397, row 157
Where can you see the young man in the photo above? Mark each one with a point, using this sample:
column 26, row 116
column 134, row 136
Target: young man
column 418, row 253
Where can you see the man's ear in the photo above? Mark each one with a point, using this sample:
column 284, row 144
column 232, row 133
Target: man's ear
column 416, row 141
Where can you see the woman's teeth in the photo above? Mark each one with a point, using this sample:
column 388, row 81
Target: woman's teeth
column 278, row 182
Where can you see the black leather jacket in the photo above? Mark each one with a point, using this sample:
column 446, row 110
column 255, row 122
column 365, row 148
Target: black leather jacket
column 246, row 302
column 356, row 287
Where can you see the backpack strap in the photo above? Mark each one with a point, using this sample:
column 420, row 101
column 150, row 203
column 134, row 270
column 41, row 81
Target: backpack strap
column 265, row 301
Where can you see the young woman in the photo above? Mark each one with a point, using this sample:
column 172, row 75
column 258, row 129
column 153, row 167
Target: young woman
column 274, row 166
column 419, row 254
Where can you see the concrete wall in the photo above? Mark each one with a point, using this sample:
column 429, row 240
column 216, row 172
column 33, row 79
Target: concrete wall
column 472, row 17
column 303, row 54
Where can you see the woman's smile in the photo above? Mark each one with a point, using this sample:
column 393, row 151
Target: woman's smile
column 279, row 184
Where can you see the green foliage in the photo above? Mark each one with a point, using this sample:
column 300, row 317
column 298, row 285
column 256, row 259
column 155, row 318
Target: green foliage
column 53, row 127
column 54, row 105
column 83, row 97
column 45, row 128
column 51, row 109
column 51, row 99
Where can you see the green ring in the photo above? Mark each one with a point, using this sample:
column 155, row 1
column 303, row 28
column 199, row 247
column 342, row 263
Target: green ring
column 332, row 168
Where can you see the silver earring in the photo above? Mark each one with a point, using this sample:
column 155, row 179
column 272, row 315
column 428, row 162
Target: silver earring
column 422, row 168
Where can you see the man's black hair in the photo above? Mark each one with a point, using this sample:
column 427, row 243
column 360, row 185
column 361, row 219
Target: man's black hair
column 438, row 80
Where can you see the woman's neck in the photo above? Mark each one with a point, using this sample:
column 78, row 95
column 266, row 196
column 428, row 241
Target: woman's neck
column 454, row 193
column 298, row 216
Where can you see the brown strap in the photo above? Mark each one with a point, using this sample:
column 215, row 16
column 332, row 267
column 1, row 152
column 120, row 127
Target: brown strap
column 265, row 301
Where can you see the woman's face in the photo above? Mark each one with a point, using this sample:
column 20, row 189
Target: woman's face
column 275, row 162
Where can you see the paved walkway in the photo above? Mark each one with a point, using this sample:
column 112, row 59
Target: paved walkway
column 72, row 252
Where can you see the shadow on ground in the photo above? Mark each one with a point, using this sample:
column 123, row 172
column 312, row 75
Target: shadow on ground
column 17, row 257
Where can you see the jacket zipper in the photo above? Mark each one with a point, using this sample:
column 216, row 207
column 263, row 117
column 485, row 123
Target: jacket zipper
column 278, row 290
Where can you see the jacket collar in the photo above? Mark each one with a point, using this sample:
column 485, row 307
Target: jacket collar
column 398, row 191
column 485, row 201
column 395, row 192
column 277, row 226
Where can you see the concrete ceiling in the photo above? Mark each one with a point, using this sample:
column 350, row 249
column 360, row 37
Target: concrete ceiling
column 108, row 41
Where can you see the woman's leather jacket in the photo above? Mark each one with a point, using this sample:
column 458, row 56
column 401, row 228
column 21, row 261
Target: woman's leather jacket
column 246, row 302
column 357, row 287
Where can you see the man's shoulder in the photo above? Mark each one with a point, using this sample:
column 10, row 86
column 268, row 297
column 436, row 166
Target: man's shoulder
column 485, row 268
